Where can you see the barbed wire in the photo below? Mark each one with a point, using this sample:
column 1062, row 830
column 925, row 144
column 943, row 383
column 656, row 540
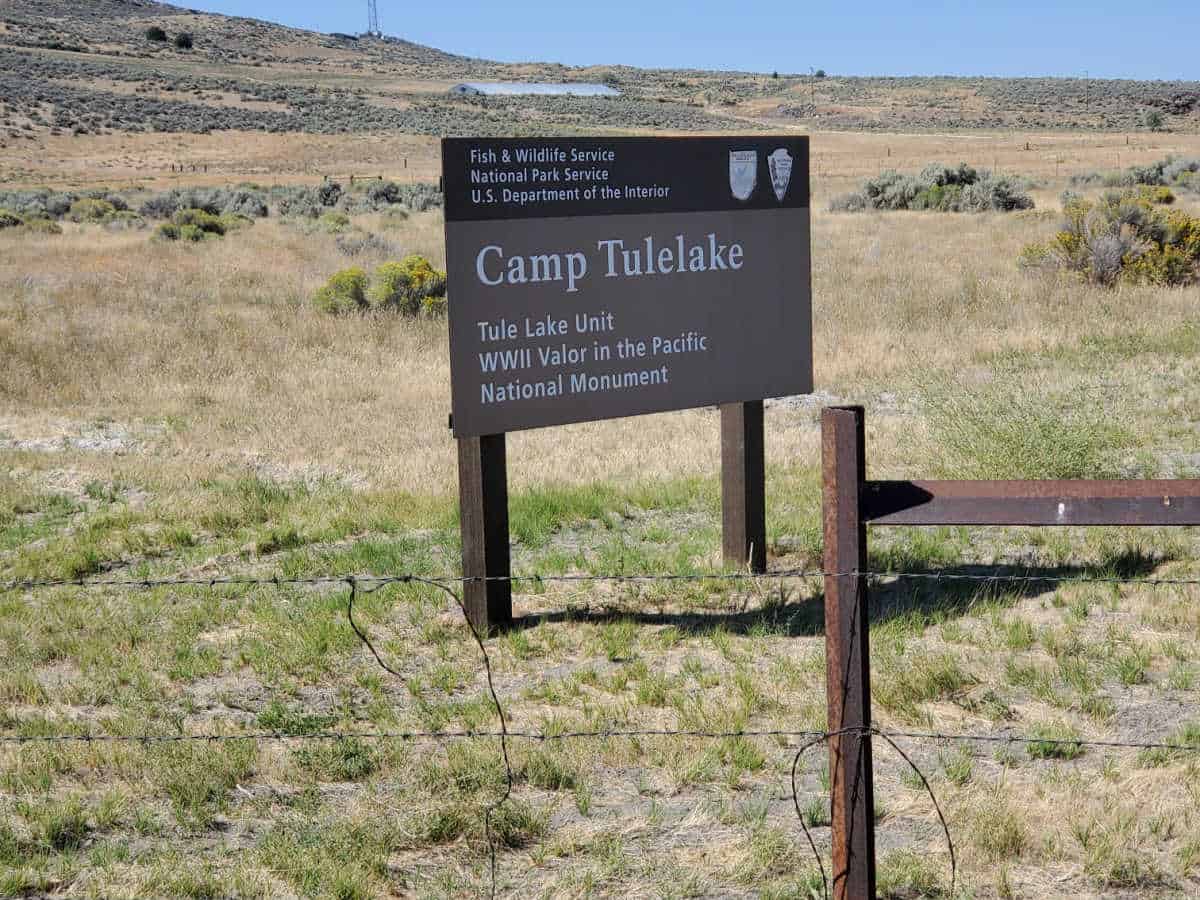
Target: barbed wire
column 442, row 580
column 598, row 734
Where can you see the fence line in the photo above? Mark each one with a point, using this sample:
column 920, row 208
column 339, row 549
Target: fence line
column 606, row 734
column 614, row 578
column 365, row 584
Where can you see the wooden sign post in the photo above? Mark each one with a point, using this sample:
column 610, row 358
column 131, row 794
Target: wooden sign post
column 483, row 514
column 744, row 486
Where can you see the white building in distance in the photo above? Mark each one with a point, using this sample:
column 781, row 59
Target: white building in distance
column 515, row 88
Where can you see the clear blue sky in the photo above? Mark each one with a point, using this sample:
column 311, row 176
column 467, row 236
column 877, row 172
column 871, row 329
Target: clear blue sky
column 871, row 37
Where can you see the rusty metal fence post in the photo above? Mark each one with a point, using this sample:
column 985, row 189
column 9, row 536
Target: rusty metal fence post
column 848, row 680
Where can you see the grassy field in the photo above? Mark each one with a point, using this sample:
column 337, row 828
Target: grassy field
column 171, row 410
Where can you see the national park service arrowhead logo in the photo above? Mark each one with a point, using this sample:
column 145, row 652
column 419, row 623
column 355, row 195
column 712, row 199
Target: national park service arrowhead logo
column 743, row 173
column 779, row 164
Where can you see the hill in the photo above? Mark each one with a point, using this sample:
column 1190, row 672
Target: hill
column 71, row 68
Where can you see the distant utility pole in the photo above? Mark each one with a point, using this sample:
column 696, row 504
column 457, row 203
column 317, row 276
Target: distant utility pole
column 373, row 19
column 812, row 83
column 1087, row 94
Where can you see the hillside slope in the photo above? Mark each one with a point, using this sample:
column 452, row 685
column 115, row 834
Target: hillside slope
column 81, row 68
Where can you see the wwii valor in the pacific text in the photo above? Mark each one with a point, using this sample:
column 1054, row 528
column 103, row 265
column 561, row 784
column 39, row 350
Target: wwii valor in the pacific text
column 511, row 368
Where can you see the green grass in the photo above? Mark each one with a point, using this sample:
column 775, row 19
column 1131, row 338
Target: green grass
column 815, row 813
column 343, row 857
column 1011, row 429
column 704, row 657
column 60, row 826
column 907, row 678
column 998, row 830
column 1187, row 735
column 1100, row 353
column 278, row 717
column 764, row 853
column 27, row 515
column 339, row 760
column 550, row 769
column 958, row 766
column 1130, row 665
column 1055, row 740
column 905, row 873
column 198, row 778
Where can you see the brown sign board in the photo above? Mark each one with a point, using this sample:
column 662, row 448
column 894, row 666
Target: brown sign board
column 593, row 278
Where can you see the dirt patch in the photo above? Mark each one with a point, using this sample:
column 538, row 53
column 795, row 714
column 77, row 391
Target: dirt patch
column 114, row 438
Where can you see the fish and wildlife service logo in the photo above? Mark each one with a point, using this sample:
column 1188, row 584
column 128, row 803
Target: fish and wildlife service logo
column 779, row 164
column 743, row 173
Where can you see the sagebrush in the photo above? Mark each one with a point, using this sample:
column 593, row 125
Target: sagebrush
column 941, row 188
column 1124, row 236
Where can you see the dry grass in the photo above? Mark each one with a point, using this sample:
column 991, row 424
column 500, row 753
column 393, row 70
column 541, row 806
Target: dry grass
column 219, row 342
column 183, row 409
column 839, row 159
column 121, row 160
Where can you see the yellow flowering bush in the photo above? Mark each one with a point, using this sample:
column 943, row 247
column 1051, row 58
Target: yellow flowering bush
column 1123, row 237
column 408, row 286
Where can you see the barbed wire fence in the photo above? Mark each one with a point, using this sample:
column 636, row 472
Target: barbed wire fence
column 358, row 585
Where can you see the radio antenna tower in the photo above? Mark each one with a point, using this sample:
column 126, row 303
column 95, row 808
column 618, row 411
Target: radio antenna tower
column 373, row 19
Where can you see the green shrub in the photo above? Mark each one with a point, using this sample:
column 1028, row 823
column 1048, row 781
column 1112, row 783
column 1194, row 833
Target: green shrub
column 1159, row 196
column 167, row 232
column 1163, row 266
column 235, row 222
column 383, row 193
column 206, row 222
column 1173, row 170
column 1002, row 193
column 334, row 222
column 940, row 188
column 9, row 219
column 941, row 176
column 355, row 242
column 346, row 291
column 40, row 203
column 404, row 286
column 156, row 34
column 1036, row 257
column 329, row 193
column 297, row 202
column 91, row 210
column 434, row 307
column 243, row 201
column 193, row 233
column 124, row 220
column 183, row 40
